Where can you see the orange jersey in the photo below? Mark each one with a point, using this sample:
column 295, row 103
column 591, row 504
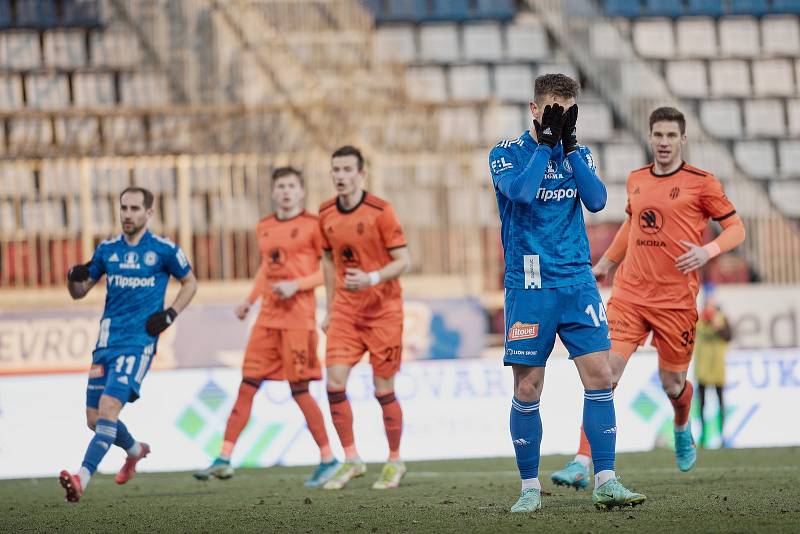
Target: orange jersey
column 362, row 238
column 665, row 210
column 290, row 250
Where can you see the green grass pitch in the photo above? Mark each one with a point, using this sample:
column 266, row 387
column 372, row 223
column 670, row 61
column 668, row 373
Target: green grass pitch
column 755, row 490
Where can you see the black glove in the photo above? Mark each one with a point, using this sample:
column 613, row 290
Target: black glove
column 160, row 321
column 79, row 273
column 549, row 131
column 569, row 134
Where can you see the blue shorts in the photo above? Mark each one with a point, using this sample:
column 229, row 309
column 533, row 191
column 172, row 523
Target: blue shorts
column 535, row 316
column 118, row 372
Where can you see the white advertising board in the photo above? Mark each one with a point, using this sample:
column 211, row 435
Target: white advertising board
column 452, row 409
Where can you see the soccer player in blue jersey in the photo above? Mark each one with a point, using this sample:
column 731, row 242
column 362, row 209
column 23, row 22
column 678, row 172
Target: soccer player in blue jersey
column 137, row 265
column 541, row 179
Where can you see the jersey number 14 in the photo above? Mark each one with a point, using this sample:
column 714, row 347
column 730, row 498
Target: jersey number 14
column 597, row 317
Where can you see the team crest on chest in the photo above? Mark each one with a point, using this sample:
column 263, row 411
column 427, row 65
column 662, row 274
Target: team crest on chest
column 294, row 233
column 567, row 165
column 360, row 229
column 150, row 258
column 130, row 261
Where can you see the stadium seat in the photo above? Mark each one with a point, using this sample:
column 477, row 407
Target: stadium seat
column 712, row 157
column 622, row 8
column 438, row 42
column 786, row 196
column 780, row 35
column 697, row 37
column 654, row 38
column 637, row 80
column 38, row 216
column 426, row 84
column 526, row 41
column 400, row 10
column 36, row 13
column 93, row 89
column 8, row 218
column 482, row 42
column 786, row 6
column 773, row 77
column 169, row 133
column 605, row 40
column 687, row 78
column 748, row 7
column 20, row 50
column 144, row 89
column 16, row 179
column 109, row 177
column 738, row 37
column 10, row 92
column 764, row 118
column 711, row 8
column 453, row 10
column 114, row 48
column 101, row 215
column 722, row 118
column 513, row 83
column 563, row 68
column 793, row 114
column 494, row 9
column 59, row 178
column 504, row 122
column 198, row 213
column 596, row 122
column 124, row 134
column 47, row 91
column 470, row 82
column 730, row 77
column 614, row 210
column 6, row 15
column 619, row 159
column 756, row 158
column 459, row 125
column 789, row 162
column 156, row 174
column 662, row 8
column 395, row 43
column 82, row 13
column 77, row 133
column 64, row 49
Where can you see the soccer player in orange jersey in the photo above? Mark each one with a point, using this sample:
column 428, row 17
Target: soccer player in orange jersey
column 283, row 342
column 655, row 288
column 365, row 254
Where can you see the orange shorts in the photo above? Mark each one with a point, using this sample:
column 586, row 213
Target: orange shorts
column 347, row 343
column 673, row 332
column 275, row 354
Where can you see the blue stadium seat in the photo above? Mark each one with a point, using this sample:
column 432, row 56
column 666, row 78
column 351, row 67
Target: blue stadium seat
column 81, row 13
column 623, row 8
column 712, row 8
column 663, row 8
column 749, row 7
column 456, row 10
column 402, row 10
column 36, row 13
column 494, row 9
column 5, row 14
column 786, row 6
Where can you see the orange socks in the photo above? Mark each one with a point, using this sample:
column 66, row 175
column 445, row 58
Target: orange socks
column 682, row 404
column 342, row 416
column 584, row 449
column 314, row 420
column 393, row 422
column 239, row 417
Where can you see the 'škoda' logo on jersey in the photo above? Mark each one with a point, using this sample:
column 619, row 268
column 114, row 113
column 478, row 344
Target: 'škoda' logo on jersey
column 520, row 330
column 349, row 256
column 276, row 258
column 650, row 221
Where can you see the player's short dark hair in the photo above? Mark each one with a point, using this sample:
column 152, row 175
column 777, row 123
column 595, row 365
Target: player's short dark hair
column 558, row 84
column 148, row 196
column 349, row 150
column 280, row 172
column 668, row 114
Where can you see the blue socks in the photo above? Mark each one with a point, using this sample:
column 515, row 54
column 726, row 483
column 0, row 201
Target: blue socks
column 526, row 434
column 124, row 438
column 600, row 426
column 105, row 433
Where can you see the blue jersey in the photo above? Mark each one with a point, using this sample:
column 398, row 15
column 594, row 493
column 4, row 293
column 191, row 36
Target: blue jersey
column 136, row 280
column 543, row 230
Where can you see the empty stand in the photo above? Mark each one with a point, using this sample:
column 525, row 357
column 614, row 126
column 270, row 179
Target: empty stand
column 786, row 196
column 47, row 91
column 439, row 42
column 526, row 41
column 426, row 84
column 470, row 82
column 687, row 78
column 789, row 158
column 696, row 37
column 730, row 77
column 482, row 42
column 11, row 92
column 619, row 159
column 764, row 118
column 654, row 38
column 395, row 43
column 756, row 158
column 773, row 77
column 513, row 83
column 739, row 37
column 64, row 49
column 20, row 50
column 93, row 89
column 780, row 35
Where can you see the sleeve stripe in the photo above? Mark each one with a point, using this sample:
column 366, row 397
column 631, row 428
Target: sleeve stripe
column 725, row 216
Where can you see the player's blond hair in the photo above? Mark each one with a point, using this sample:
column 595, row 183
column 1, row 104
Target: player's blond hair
column 668, row 114
column 559, row 85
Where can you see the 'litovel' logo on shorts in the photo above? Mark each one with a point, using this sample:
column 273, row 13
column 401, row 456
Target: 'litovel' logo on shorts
column 520, row 330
